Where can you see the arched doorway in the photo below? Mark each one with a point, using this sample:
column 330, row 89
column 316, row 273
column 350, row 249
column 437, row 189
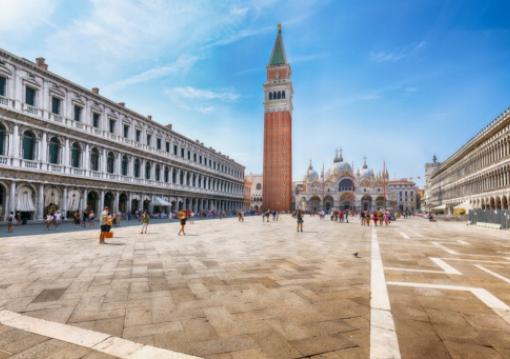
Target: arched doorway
column 3, row 196
column 52, row 199
column 135, row 203
column 328, row 203
column 92, row 201
column 366, row 203
column 108, row 201
column 380, row 202
column 347, row 200
column 146, row 204
column 123, row 200
column 25, row 199
column 314, row 204
column 505, row 202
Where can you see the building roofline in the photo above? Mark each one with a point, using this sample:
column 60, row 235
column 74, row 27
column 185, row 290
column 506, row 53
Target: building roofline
column 112, row 103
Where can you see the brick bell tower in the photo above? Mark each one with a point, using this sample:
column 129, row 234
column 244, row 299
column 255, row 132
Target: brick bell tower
column 277, row 186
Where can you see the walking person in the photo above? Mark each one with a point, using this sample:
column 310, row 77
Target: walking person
column 346, row 216
column 182, row 219
column 104, row 227
column 145, row 222
column 299, row 217
column 10, row 220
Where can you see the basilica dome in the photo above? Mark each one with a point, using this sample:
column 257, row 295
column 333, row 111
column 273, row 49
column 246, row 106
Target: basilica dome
column 339, row 167
column 311, row 174
column 366, row 172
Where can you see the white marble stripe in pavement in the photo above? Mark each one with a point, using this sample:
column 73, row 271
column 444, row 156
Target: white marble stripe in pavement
column 404, row 235
column 463, row 242
column 383, row 337
column 494, row 274
column 96, row 341
column 489, row 299
column 444, row 248
column 445, row 268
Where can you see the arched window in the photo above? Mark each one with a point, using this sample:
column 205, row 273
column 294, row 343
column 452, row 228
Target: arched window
column 28, row 146
column 194, row 180
column 147, row 170
column 75, row 155
column 110, row 162
column 346, row 185
column 94, row 159
column 53, row 150
column 279, row 95
column 270, row 95
column 174, row 176
column 166, row 174
column 283, row 94
column 3, row 133
column 158, row 172
column 124, row 165
column 258, row 186
column 137, row 168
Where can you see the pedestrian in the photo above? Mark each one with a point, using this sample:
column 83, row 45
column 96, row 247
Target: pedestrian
column 362, row 216
column 299, row 217
column 92, row 216
column 145, row 222
column 57, row 218
column 49, row 220
column 346, row 216
column 84, row 217
column 10, row 220
column 104, row 225
column 182, row 219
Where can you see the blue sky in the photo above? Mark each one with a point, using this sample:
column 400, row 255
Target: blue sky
column 391, row 80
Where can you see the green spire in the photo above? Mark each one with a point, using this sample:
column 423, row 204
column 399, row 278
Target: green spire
column 278, row 55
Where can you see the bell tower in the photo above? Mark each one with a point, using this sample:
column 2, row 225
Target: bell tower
column 277, row 188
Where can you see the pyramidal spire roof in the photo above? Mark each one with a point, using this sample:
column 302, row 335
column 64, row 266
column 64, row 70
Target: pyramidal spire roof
column 278, row 56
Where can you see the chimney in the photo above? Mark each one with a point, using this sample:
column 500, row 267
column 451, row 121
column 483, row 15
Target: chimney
column 123, row 104
column 41, row 63
column 95, row 90
column 149, row 117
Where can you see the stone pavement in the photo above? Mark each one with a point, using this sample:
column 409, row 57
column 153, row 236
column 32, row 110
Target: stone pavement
column 261, row 290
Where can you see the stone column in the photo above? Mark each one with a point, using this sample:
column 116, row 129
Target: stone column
column 83, row 205
column 43, row 149
column 86, row 158
column 64, row 205
column 14, row 142
column 116, row 202
column 66, row 153
column 101, row 202
column 128, row 207
column 40, row 202
column 12, row 195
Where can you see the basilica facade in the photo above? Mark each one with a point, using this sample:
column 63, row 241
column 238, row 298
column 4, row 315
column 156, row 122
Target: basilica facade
column 341, row 187
column 69, row 148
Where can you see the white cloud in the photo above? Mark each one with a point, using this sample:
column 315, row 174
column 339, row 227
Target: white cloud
column 21, row 17
column 396, row 54
column 199, row 100
column 194, row 93
column 181, row 66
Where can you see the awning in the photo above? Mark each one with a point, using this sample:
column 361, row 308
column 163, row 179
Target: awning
column 25, row 202
column 464, row 205
column 161, row 202
column 441, row 207
column 73, row 201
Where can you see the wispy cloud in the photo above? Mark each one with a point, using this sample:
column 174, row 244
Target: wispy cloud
column 181, row 66
column 198, row 99
column 397, row 54
column 18, row 18
column 205, row 94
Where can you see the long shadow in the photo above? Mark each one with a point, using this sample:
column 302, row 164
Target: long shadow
column 38, row 228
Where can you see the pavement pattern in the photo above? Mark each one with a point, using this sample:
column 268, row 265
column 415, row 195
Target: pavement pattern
column 262, row 290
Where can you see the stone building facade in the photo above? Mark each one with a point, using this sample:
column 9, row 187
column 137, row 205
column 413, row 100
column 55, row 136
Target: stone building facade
column 256, row 191
column 278, row 130
column 477, row 175
column 69, row 148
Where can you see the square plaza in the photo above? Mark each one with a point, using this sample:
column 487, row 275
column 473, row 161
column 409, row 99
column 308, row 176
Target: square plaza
column 258, row 290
